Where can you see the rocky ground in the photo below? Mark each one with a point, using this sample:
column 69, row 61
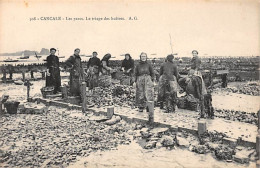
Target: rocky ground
column 249, row 88
column 55, row 138
column 237, row 116
column 62, row 138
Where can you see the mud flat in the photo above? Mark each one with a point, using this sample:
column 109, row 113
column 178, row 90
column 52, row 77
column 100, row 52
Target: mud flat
column 133, row 155
column 234, row 101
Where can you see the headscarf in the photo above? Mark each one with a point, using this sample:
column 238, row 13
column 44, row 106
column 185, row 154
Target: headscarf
column 141, row 55
column 170, row 58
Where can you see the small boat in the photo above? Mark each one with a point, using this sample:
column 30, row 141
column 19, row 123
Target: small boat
column 61, row 56
column 86, row 56
column 37, row 56
column 11, row 60
column 24, row 57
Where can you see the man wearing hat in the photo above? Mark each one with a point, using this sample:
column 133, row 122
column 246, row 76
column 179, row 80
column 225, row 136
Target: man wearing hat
column 53, row 71
column 168, row 84
column 94, row 68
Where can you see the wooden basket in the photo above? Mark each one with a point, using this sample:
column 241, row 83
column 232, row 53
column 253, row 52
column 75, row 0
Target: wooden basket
column 47, row 91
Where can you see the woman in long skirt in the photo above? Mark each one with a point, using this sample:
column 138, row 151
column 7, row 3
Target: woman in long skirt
column 144, row 77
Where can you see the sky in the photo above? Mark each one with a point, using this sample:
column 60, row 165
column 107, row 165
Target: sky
column 214, row 28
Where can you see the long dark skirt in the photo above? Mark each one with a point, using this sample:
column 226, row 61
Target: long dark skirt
column 54, row 79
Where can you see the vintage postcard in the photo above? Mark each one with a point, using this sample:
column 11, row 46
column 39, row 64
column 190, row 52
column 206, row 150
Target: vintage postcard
column 129, row 84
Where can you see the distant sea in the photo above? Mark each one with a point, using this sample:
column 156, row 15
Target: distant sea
column 29, row 61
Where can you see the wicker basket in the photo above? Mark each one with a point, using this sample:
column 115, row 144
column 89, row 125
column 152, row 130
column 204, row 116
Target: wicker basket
column 47, row 91
column 193, row 103
column 194, row 106
column 182, row 103
column 11, row 107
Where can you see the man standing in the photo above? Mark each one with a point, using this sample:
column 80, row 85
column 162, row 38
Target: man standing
column 53, row 71
column 76, row 72
column 94, row 67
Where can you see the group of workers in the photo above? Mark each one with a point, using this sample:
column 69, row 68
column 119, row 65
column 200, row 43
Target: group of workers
column 143, row 75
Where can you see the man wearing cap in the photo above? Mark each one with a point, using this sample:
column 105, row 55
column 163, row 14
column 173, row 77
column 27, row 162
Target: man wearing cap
column 76, row 72
column 94, row 67
column 53, row 71
column 168, row 84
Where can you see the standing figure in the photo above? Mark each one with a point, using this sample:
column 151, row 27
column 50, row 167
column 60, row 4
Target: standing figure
column 94, row 67
column 11, row 69
column 128, row 67
column 224, row 80
column 195, row 82
column 4, row 73
column 53, row 71
column 195, row 70
column 144, row 77
column 105, row 78
column 76, row 72
column 168, row 84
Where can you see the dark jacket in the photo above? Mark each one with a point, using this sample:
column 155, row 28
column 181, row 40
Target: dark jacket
column 94, row 61
column 127, row 64
column 195, row 63
column 53, row 62
column 54, row 70
column 169, row 69
column 105, row 67
column 144, row 68
column 75, row 62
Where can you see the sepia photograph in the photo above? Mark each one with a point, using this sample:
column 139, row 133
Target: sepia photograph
column 129, row 84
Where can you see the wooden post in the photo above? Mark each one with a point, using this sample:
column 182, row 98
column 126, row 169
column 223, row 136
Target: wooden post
column 258, row 146
column 10, row 74
column 150, row 105
column 32, row 76
column 28, row 90
column 23, row 76
column 83, row 97
column 4, row 76
column 43, row 75
column 258, row 114
column 110, row 111
column 64, row 92
column 258, row 163
column 1, row 108
column 202, row 128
